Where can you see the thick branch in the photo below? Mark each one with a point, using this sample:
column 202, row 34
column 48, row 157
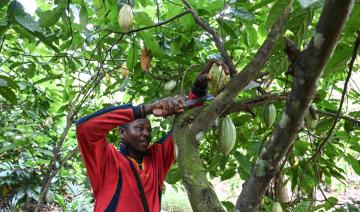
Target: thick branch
column 307, row 72
column 249, row 104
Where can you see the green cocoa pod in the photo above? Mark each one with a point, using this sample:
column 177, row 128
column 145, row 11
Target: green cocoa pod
column 311, row 119
column 349, row 126
column 269, row 115
column 276, row 207
column 170, row 85
column 218, row 79
column 227, row 135
column 50, row 196
column 176, row 151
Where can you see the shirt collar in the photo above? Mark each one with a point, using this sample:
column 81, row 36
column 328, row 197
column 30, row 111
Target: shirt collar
column 123, row 149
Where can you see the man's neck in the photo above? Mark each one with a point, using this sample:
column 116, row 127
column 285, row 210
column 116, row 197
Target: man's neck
column 136, row 156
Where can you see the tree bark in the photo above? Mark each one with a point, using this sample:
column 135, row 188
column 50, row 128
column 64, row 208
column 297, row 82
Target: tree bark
column 308, row 68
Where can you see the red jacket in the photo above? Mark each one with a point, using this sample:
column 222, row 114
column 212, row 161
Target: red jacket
column 109, row 169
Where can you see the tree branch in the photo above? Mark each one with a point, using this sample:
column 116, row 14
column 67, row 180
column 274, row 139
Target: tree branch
column 157, row 24
column 251, row 103
column 219, row 44
column 308, row 68
column 248, row 104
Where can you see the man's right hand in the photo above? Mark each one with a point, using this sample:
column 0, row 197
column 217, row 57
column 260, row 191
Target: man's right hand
column 166, row 107
column 204, row 77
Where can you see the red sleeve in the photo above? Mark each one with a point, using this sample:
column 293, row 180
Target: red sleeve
column 164, row 148
column 91, row 133
column 164, row 154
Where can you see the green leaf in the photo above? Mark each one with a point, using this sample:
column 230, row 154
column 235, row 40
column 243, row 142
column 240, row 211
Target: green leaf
column 50, row 17
column 228, row 173
column 151, row 44
column 339, row 58
column 188, row 23
column 124, row 84
column 48, row 78
column 307, row 3
column 173, row 175
column 46, row 41
column 323, row 125
column 132, row 57
column 275, row 12
column 330, row 202
column 3, row 3
column 8, row 94
column 8, row 82
column 355, row 164
column 9, row 147
column 243, row 14
column 27, row 22
column 252, row 36
column 226, row 25
column 83, row 17
column 228, row 205
column 213, row 6
column 143, row 19
column 22, row 18
column 45, row 152
column 31, row 70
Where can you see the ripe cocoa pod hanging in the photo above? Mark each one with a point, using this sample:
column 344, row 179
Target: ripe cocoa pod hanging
column 218, row 79
column 277, row 207
column 125, row 18
column 170, row 85
column 145, row 60
column 311, row 119
column 107, row 77
column 227, row 135
column 269, row 115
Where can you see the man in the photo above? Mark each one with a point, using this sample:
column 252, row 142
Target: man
column 130, row 179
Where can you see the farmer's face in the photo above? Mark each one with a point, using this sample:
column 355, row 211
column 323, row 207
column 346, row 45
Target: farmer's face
column 137, row 135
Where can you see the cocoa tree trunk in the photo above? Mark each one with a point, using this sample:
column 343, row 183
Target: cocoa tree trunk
column 308, row 67
column 200, row 192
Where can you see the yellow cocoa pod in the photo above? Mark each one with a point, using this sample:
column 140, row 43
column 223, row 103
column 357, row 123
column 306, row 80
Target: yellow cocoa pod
column 170, row 85
column 269, row 115
column 145, row 60
column 5, row 190
column 124, row 70
column 218, row 79
column 107, row 77
column 276, row 207
column 227, row 135
column 125, row 18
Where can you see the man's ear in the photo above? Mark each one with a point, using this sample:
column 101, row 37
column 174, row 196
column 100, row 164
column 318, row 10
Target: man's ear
column 122, row 132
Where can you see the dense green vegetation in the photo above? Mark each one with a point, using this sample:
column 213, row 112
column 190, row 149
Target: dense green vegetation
column 70, row 58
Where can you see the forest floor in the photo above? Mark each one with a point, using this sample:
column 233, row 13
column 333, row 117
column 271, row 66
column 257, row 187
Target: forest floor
column 229, row 190
column 175, row 199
